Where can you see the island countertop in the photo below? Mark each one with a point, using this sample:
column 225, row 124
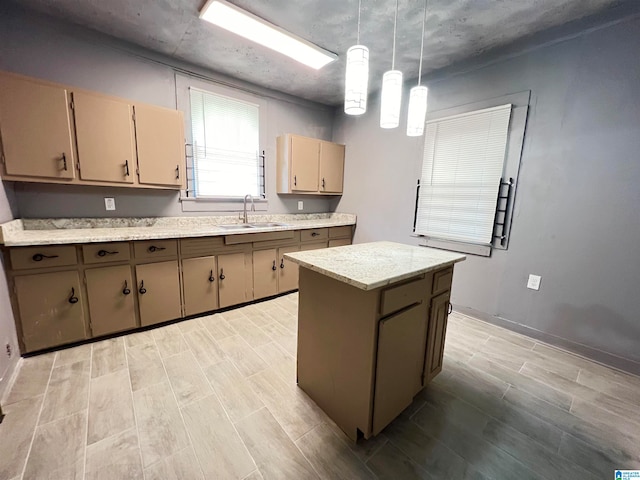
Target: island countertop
column 372, row 265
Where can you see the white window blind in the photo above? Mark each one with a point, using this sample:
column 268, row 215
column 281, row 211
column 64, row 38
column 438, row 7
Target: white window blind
column 461, row 170
column 226, row 136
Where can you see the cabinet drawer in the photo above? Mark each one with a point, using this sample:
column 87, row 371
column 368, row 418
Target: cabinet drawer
column 442, row 281
column 339, row 242
column 156, row 248
column 340, row 232
column 314, row 234
column 201, row 246
column 401, row 296
column 43, row 257
column 105, row 252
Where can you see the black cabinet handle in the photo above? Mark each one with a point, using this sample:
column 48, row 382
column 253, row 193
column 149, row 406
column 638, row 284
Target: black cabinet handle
column 64, row 162
column 126, row 290
column 449, row 308
column 38, row 257
column 295, row 181
column 153, row 248
column 73, row 298
column 323, row 183
column 142, row 290
column 222, row 277
column 315, row 234
column 282, row 262
column 274, row 266
column 126, row 168
column 211, row 277
column 102, row 253
column 177, row 172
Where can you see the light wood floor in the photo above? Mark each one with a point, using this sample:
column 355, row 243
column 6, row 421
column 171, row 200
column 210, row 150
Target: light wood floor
column 216, row 398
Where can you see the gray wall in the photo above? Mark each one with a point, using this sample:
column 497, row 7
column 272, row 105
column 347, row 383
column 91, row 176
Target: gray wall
column 577, row 211
column 48, row 49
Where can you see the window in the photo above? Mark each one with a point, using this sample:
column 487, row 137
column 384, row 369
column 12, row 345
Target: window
column 462, row 168
column 226, row 146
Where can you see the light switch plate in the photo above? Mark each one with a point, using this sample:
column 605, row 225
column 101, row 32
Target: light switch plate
column 534, row 282
column 300, row 205
column 110, row 203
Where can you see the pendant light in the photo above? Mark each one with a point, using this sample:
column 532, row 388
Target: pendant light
column 356, row 77
column 418, row 96
column 391, row 97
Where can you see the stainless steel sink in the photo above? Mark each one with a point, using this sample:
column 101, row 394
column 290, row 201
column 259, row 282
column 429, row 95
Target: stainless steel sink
column 236, row 226
column 269, row 224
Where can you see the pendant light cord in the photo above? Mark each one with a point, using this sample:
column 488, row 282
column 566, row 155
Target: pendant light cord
column 395, row 22
column 424, row 19
column 359, row 6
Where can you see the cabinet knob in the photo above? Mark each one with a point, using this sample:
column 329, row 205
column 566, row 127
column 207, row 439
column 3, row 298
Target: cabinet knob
column 126, row 168
column 222, row 277
column 282, row 262
column 153, row 248
column 38, row 257
column 274, row 266
column 177, row 172
column 102, row 253
column 295, row 181
column 126, row 290
column 142, row 290
column 73, row 298
column 323, row 183
column 211, row 277
column 449, row 308
column 315, row 234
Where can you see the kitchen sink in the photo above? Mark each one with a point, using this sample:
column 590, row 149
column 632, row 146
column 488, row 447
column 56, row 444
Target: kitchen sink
column 236, row 226
column 269, row 224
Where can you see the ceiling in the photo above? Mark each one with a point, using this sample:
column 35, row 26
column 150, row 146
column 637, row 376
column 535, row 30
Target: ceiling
column 456, row 30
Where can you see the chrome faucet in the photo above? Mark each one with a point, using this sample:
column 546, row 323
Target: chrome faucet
column 253, row 207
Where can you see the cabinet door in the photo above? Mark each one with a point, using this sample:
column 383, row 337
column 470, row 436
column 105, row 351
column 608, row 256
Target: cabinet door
column 36, row 129
column 232, row 276
column 160, row 140
column 436, row 336
column 288, row 276
column 304, row 157
column 51, row 309
column 399, row 364
column 104, row 131
column 158, row 292
column 331, row 167
column 265, row 273
column 110, row 291
column 200, row 284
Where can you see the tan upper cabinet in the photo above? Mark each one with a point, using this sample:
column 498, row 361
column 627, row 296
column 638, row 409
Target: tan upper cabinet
column 160, row 139
column 105, row 138
column 309, row 166
column 36, row 129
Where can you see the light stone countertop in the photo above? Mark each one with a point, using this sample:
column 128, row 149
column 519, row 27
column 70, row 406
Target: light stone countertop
column 24, row 232
column 373, row 265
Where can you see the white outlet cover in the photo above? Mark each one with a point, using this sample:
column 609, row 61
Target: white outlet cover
column 300, row 205
column 110, row 203
column 534, row 282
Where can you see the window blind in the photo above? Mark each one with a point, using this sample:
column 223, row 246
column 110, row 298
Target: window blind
column 225, row 135
column 461, row 170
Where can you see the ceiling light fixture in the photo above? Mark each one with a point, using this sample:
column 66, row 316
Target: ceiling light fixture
column 391, row 97
column 356, row 77
column 418, row 96
column 251, row 27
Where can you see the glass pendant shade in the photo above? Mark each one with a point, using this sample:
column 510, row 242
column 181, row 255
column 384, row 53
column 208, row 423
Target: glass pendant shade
column 391, row 99
column 417, row 111
column 356, row 80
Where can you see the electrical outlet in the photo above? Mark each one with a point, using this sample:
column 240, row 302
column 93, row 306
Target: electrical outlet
column 534, row 282
column 110, row 203
column 300, row 205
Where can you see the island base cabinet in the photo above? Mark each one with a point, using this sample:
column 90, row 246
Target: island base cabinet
column 436, row 337
column 200, row 284
column 158, row 292
column 288, row 270
column 265, row 273
column 110, row 291
column 232, row 276
column 51, row 309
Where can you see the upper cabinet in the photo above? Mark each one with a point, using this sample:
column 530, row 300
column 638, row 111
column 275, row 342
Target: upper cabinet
column 56, row 134
column 160, row 138
column 309, row 166
column 35, row 128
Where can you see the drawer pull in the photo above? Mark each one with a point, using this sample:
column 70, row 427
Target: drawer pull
column 38, row 257
column 73, row 298
column 211, row 277
column 126, row 290
column 315, row 234
column 142, row 290
column 295, row 181
column 449, row 308
column 153, row 248
column 102, row 253
column 222, row 277
column 64, row 161
column 323, row 187
column 126, row 168
column 274, row 266
column 282, row 262
column 177, row 172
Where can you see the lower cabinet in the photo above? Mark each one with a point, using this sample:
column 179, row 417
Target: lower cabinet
column 287, row 270
column 51, row 309
column 436, row 336
column 200, row 285
column 265, row 273
column 232, row 276
column 110, row 291
column 158, row 292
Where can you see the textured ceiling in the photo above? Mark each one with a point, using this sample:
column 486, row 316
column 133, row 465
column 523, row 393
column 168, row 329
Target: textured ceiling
column 455, row 30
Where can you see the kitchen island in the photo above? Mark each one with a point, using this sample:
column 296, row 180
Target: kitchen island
column 372, row 322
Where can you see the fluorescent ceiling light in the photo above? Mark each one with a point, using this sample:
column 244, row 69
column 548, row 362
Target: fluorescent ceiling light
column 247, row 25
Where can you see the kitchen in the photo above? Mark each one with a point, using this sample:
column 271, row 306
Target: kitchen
column 576, row 184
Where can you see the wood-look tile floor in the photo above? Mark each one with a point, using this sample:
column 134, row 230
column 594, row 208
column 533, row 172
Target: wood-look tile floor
column 215, row 398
